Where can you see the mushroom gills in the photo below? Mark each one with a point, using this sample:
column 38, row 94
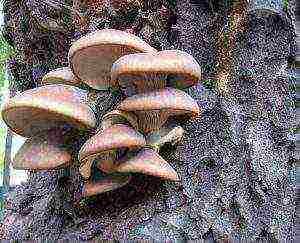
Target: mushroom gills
column 119, row 117
column 137, row 84
column 152, row 120
column 105, row 161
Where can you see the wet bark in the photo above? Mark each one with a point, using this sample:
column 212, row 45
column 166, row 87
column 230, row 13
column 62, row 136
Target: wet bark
column 236, row 161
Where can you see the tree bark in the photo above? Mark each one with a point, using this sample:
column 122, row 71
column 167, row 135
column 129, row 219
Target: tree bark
column 235, row 161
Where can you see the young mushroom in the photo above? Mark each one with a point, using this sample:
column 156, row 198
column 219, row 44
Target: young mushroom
column 165, row 135
column 146, row 72
column 46, row 107
column 105, row 184
column 62, row 75
column 106, row 146
column 154, row 108
column 92, row 56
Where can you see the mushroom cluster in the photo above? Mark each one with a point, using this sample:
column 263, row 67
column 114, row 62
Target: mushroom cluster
column 129, row 138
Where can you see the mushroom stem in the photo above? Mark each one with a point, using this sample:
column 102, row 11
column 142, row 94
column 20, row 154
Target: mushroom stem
column 151, row 121
column 165, row 135
column 119, row 117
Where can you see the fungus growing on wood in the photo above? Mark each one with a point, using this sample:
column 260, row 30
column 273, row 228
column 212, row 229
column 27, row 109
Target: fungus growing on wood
column 106, row 145
column 154, row 108
column 44, row 151
column 165, row 135
column 46, row 107
column 149, row 162
column 92, row 56
column 145, row 72
column 62, row 75
column 108, row 183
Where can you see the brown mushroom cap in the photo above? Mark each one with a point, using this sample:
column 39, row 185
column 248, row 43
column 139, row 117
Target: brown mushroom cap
column 92, row 56
column 149, row 162
column 146, row 69
column 62, row 75
column 105, row 143
column 109, row 183
column 45, row 151
column 46, row 107
column 154, row 108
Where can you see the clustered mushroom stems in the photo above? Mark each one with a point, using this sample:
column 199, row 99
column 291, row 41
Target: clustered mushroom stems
column 122, row 144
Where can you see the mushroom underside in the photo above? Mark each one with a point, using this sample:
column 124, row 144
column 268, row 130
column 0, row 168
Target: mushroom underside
column 43, row 152
column 152, row 120
column 132, row 84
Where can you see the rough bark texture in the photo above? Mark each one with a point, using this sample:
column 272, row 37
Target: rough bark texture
column 236, row 161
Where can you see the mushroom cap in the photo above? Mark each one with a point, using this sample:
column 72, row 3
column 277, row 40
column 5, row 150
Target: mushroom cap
column 46, row 107
column 92, row 56
column 149, row 162
column 172, row 100
column 109, row 183
column 180, row 67
column 45, row 151
column 120, row 117
column 115, row 137
column 62, row 75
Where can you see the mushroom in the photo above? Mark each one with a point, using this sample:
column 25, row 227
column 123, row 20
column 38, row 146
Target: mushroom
column 46, row 107
column 149, row 162
column 92, row 56
column 145, row 72
column 65, row 76
column 44, row 151
column 165, row 135
column 154, row 108
column 62, row 75
column 108, row 183
column 106, row 146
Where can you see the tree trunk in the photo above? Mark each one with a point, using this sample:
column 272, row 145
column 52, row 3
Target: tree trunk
column 236, row 161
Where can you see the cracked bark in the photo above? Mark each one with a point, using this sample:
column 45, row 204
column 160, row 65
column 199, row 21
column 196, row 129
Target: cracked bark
column 238, row 181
